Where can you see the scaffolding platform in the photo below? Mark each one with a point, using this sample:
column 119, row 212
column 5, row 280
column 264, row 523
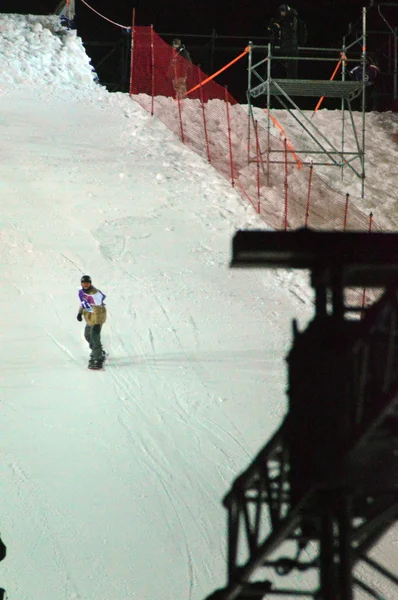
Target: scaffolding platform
column 317, row 147
column 309, row 87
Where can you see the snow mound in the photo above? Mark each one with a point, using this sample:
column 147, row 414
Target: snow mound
column 39, row 50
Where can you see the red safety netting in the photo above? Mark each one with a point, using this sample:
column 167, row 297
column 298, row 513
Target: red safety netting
column 287, row 195
column 211, row 122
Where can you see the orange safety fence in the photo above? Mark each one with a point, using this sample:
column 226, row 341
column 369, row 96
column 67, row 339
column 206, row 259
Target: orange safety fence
column 209, row 120
column 331, row 79
column 232, row 62
column 289, row 144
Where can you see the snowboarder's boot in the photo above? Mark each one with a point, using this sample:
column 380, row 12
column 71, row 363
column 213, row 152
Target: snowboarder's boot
column 95, row 364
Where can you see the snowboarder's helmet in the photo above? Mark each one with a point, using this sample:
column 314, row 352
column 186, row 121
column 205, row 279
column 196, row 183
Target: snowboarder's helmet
column 86, row 279
column 176, row 43
column 283, row 8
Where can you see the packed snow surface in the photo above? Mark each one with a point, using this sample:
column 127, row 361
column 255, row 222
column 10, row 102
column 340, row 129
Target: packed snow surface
column 112, row 481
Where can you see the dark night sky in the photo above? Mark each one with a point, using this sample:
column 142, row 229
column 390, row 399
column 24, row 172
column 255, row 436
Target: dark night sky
column 327, row 19
column 327, row 22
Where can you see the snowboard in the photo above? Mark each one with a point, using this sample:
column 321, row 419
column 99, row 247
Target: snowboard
column 100, row 366
column 96, row 367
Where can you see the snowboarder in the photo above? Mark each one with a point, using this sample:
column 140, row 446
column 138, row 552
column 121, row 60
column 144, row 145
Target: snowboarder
column 93, row 309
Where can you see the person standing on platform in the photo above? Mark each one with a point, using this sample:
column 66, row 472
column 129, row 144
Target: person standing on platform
column 285, row 29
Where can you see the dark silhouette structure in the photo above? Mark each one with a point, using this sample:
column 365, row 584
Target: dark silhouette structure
column 324, row 490
column 3, row 552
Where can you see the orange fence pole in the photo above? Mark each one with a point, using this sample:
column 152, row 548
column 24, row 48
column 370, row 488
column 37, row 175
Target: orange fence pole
column 289, row 145
column 286, row 188
column 331, row 79
column 231, row 159
column 218, row 72
column 132, row 54
column 152, row 72
column 204, row 119
column 258, row 160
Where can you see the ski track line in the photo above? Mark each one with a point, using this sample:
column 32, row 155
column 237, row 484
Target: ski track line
column 20, row 292
column 64, row 349
column 173, row 329
column 99, row 441
column 71, row 262
column 22, row 480
column 150, row 288
column 157, row 467
column 182, row 403
column 151, row 449
column 227, row 433
column 197, row 431
column 81, row 434
column 124, row 384
column 195, row 330
column 191, row 574
column 151, row 339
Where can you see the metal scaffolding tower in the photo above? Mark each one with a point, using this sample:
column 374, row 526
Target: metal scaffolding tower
column 286, row 90
column 324, row 490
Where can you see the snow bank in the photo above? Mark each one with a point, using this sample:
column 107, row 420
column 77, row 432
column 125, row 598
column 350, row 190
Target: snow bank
column 38, row 49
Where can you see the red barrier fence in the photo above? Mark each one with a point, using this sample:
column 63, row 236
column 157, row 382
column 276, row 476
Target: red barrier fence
column 210, row 122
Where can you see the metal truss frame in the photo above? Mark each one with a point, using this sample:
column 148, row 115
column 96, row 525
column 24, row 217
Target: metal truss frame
column 331, row 527
column 324, row 524
column 285, row 90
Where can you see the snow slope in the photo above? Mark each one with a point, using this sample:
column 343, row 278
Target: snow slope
column 112, row 481
column 381, row 151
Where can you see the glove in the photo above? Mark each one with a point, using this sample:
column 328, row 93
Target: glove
column 79, row 317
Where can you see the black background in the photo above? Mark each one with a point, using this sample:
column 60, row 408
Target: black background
column 195, row 20
column 327, row 19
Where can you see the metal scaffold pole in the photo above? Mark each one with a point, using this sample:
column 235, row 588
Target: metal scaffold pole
column 249, row 100
column 269, row 71
column 343, row 76
column 364, row 61
column 396, row 64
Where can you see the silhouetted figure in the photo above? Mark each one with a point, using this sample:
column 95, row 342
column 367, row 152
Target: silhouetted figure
column 179, row 68
column 284, row 32
column 371, row 89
